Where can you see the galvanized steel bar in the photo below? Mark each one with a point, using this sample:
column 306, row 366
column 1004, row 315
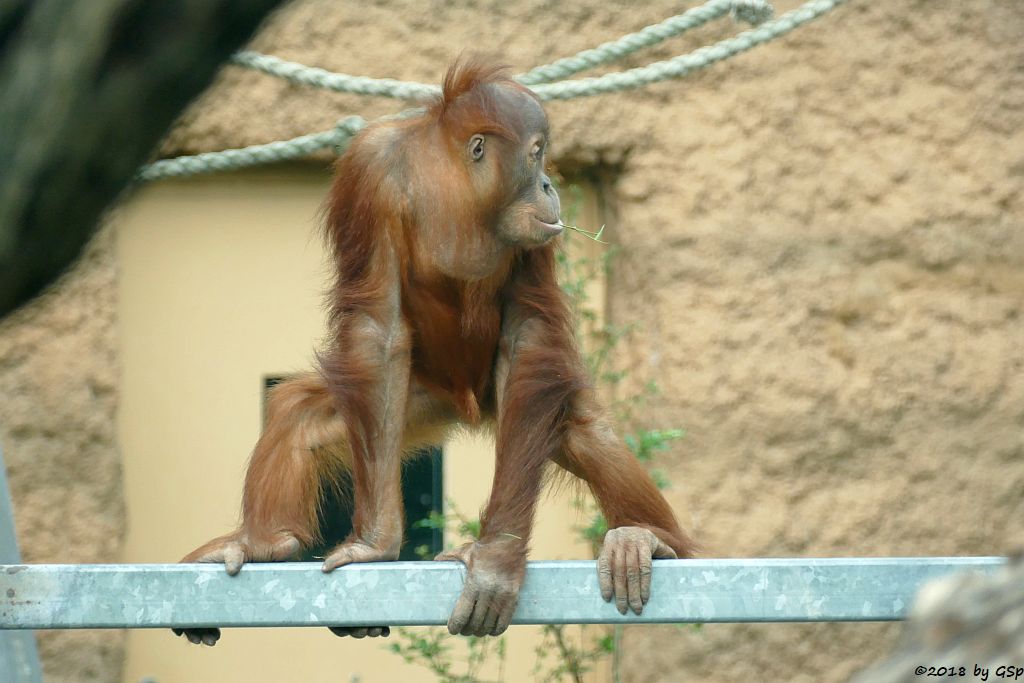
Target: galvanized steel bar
column 421, row 593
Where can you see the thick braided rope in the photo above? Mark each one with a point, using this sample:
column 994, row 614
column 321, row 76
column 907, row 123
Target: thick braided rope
column 339, row 136
column 321, row 78
column 232, row 159
column 751, row 11
column 685, row 64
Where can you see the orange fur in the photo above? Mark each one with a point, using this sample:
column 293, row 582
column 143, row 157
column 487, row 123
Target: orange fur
column 444, row 309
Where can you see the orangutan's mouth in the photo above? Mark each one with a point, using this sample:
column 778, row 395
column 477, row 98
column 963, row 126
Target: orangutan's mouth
column 555, row 228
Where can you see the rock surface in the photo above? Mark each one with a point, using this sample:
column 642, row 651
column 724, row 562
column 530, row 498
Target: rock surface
column 822, row 248
column 58, row 383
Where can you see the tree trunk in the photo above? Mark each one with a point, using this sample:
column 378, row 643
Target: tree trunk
column 89, row 87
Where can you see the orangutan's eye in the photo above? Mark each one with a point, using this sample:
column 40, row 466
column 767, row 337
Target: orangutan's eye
column 476, row 147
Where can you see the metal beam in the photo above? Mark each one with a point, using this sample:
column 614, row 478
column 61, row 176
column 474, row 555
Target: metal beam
column 420, row 593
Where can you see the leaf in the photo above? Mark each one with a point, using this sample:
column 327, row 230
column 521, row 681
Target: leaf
column 435, row 520
column 470, row 528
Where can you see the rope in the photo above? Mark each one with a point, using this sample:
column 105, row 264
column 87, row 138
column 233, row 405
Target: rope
column 688, row 63
column 233, row 159
column 751, row 11
column 321, row 78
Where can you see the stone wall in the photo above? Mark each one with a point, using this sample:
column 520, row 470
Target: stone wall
column 822, row 246
column 58, row 383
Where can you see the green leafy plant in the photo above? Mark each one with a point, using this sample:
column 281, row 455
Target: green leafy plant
column 559, row 656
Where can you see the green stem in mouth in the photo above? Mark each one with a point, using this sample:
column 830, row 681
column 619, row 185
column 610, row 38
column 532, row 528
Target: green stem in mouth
column 596, row 236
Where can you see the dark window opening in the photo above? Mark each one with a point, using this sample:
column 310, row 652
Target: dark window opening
column 421, row 495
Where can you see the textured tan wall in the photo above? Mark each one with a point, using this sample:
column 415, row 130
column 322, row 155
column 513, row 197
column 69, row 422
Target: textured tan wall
column 58, row 393
column 823, row 247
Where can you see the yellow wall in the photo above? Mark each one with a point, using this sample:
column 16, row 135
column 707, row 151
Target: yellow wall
column 220, row 285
